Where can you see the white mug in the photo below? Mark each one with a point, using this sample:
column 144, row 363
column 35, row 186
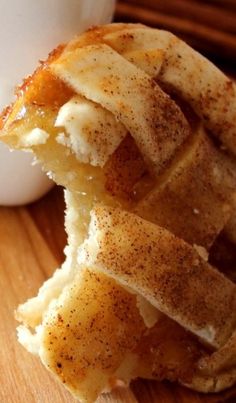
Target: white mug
column 29, row 30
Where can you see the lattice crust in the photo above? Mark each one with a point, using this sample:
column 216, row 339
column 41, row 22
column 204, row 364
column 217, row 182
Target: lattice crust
column 171, row 61
column 109, row 313
column 97, row 114
column 69, row 170
column 198, row 179
column 158, row 271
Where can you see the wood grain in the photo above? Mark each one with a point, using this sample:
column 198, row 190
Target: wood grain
column 228, row 4
column 208, row 26
column 205, row 14
column 31, row 247
column 25, row 261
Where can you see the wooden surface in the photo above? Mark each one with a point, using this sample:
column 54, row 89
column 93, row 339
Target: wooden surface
column 31, row 246
column 209, row 26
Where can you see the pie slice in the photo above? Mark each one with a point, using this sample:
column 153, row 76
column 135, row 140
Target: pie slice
column 140, row 130
column 88, row 329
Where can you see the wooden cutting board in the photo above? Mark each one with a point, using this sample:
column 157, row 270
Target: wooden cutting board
column 31, row 247
column 207, row 25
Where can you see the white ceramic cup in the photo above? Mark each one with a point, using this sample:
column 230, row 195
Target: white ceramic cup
column 29, row 30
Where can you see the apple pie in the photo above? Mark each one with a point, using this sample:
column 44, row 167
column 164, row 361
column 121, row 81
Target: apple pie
column 140, row 129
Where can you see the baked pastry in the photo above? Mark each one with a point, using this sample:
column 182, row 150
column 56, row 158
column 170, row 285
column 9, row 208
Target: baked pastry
column 140, row 130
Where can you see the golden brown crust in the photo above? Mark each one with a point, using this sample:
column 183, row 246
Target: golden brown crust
column 86, row 335
column 165, row 270
column 152, row 118
column 195, row 198
column 211, row 94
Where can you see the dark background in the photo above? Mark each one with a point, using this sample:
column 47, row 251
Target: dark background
column 209, row 26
